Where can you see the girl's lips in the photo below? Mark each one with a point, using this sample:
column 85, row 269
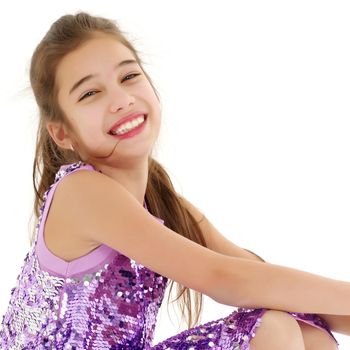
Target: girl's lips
column 127, row 118
column 132, row 132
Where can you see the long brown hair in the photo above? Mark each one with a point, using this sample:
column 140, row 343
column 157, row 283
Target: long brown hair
column 64, row 36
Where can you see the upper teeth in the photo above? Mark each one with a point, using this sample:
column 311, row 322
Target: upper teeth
column 128, row 126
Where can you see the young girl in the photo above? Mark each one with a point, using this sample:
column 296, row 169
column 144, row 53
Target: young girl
column 112, row 232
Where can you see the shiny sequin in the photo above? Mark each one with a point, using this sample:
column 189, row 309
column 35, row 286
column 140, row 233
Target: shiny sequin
column 113, row 307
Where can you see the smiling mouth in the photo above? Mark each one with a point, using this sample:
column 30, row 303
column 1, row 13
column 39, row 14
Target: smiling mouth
column 127, row 127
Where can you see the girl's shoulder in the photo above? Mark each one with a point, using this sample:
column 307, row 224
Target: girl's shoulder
column 73, row 178
column 65, row 172
column 61, row 237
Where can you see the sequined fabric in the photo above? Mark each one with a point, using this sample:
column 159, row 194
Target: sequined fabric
column 112, row 306
column 233, row 332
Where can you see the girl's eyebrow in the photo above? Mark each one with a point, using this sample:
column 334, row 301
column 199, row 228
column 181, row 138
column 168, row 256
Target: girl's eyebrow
column 88, row 77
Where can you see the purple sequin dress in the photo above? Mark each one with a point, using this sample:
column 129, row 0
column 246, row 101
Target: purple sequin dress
column 104, row 300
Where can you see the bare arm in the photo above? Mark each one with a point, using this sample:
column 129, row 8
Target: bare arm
column 101, row 210
column 219, row 243
column 337, row 323
column 280, row 288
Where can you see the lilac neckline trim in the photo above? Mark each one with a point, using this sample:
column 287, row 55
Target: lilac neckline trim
column 53, row 264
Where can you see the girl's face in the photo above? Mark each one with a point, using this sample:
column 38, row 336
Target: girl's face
column 98, row 84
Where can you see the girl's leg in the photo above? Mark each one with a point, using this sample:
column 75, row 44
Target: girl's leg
column 278, row 330
column 316, row 339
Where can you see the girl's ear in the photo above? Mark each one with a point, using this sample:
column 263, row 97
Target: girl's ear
column 59, row 134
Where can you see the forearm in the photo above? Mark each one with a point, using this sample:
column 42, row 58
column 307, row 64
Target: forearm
column 246, row 283
column 337, row 323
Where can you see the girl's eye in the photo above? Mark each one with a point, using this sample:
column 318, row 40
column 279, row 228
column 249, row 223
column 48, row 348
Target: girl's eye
column 92, row 92
column 89, row 93
column 131, row 75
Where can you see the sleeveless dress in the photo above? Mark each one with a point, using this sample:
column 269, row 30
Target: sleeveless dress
column 104, row 300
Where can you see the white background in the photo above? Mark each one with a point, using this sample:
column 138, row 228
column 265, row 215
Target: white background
column 255, row 127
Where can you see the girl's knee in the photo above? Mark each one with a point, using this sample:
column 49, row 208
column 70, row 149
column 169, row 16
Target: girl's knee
column 278, row 330
column 316, row 339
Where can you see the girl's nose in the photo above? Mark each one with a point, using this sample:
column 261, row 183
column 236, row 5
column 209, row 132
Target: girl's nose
column 120, row 99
